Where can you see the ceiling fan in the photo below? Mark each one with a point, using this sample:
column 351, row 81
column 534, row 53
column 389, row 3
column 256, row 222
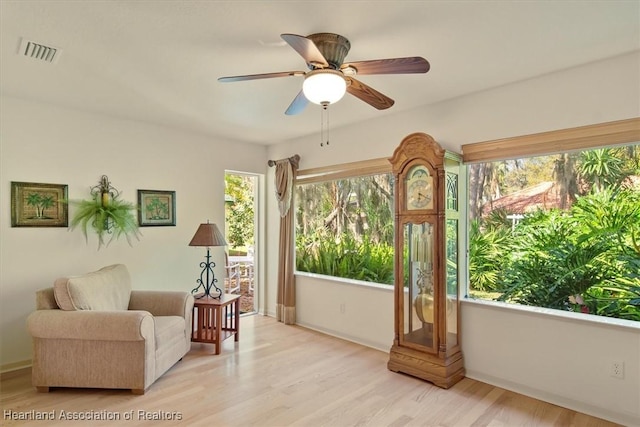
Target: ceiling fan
column 329, row 77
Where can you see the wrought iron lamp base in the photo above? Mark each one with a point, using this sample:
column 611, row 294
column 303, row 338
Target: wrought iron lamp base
column 207, row 279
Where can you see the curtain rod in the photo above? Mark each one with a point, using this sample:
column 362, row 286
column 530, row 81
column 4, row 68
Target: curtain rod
column 293, row 159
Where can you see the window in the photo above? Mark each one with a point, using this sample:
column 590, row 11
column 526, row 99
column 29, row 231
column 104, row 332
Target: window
column 344, row 221
column 560, row 231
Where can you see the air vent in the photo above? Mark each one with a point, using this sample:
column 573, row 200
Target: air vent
column 39, row 51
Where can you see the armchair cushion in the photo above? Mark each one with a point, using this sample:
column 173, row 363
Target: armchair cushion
column 106, row 289
column 169, row 329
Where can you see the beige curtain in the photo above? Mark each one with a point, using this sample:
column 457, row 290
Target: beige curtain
column 286, row 170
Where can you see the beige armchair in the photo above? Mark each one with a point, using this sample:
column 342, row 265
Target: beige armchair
column 94, row 331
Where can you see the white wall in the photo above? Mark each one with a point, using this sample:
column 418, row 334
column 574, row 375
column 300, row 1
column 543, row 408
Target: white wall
column 562, row 357
column 353, row 313
column 48, row 144
column 572, row 363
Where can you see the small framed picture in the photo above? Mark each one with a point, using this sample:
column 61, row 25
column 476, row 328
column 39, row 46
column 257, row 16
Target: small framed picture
column 156, row 208
column 39, row 205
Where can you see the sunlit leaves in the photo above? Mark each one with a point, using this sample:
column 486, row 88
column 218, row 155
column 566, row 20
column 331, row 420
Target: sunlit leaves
column 239, row 213
column 344, row 228
column 555, row 255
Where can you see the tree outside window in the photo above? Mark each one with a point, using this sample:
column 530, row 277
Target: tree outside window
column 559, row 231
column 344, row 228
column 239, row 212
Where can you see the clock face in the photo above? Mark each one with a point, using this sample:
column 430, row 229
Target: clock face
column 419, row 193
column 419, row 188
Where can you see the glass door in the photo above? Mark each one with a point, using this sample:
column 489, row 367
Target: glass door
column 241, row 210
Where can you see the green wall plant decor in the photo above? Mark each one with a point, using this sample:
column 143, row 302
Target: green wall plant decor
column 108, row 216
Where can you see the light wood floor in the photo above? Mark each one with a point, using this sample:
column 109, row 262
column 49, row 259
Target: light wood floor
column 281, row 375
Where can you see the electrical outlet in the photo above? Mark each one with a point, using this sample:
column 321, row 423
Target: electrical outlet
column 616, row 369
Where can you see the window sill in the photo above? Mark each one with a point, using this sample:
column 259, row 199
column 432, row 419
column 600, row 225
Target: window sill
column 540, row 311
column 548, row 312
column 345, row 281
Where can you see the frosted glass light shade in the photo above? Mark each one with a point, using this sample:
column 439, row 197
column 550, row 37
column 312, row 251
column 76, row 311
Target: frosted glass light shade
column 324, row 86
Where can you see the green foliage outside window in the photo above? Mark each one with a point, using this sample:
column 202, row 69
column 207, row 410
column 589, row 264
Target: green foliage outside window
column 346, row 257
column 344, row 228
column 239, row 215
column 584, row 258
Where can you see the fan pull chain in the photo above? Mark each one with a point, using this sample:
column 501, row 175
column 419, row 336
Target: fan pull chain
column 324, row 125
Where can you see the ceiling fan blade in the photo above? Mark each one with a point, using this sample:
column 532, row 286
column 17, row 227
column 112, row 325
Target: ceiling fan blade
column 368, row 94
column 307, row 49
column 298, row 104
column 413, row 64
column 260, row 76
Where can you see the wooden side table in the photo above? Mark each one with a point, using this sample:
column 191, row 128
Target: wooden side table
column 215, row 320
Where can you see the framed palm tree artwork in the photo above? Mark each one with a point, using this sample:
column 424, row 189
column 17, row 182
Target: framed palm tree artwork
column 39, row 205
column 156, row 208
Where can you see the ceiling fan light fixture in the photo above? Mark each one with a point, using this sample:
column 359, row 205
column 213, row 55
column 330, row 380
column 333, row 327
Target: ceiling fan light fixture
column 324, row 86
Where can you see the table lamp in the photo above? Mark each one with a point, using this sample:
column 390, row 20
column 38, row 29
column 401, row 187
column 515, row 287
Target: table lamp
column 207, row 235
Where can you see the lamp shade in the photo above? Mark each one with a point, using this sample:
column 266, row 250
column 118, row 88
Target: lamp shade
column 324, row 86
column 208, row 235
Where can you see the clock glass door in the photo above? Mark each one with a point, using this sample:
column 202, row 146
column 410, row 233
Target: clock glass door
column 420, row 311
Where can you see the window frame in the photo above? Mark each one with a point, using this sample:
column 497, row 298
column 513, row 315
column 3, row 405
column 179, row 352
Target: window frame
column 343, row 171
column 553, row 142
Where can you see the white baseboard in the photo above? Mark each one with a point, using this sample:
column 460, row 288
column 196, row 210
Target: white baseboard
column 373, row 345
column 627, row 419
column 15, row 366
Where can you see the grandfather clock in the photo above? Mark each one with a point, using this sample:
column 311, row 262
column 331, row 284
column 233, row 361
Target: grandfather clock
column 427, row 231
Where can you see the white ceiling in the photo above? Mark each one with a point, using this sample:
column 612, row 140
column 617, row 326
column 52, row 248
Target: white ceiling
column 158, row 61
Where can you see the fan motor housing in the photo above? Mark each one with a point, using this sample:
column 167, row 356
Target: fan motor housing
column 333, row 47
